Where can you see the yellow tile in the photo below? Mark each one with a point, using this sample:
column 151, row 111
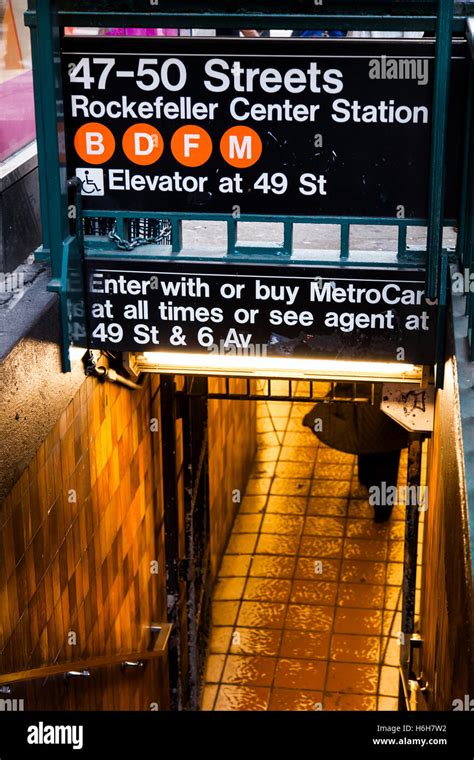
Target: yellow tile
column 281, row 424
column 356, row 702
column 305, row 438
column 268, row 439
column 267, row 454
column 265, row 425
column 253, row 504
column 243, row 543
column 390, row 626
column 220, row 639
column 389, row 681
column 214, row 668
column 395, row 551
column 224, row 613
column 290, row 486
column 392, row 652
column 231, row 697
column 387, row 703
column 247, row 524
column 229, row 588
column 269, row 543
column 263, row 469
column 394, row 573
column 397, row 530
column 262, row 641
column 297, row 454
column 354, row 648
column 235, row 565
column 288, row 525
column 272, row 566
column 346, row 677
column 267, row 589
column 258, row 486
column 249, row 670
column 261, row 615
column 209, row 697
column 294, row 469
column 295, row 699
column 287, row 505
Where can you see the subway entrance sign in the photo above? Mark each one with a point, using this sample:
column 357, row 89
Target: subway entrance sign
column 288, row 127
column 260, row 310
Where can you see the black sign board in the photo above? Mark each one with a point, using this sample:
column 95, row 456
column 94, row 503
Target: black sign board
column 280, row 126
column 260, row 310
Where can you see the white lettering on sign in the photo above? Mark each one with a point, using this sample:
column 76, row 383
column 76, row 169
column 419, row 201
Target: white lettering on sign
column 95, row 143
column 123, row 179
column 241, row 149
column 391, row 294
column 140, row 149
column 225, row 76
column 284, row 313
column 383, row 113
column 191, row 142
column 279, row 116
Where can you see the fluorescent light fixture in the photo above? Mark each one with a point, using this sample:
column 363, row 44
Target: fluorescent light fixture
column 274, row 367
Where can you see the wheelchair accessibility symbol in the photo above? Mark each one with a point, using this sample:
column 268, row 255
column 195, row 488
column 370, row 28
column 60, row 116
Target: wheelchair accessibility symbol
column 92, row 181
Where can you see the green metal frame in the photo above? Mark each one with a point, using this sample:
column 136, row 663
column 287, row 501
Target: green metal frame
column 466, row 230
column 285, row 249
column 46, row 18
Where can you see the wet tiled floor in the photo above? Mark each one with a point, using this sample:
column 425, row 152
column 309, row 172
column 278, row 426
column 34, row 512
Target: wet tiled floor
column 306, row 610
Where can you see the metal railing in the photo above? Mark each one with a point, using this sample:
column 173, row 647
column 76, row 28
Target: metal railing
column 303, row 391
column 159, row 636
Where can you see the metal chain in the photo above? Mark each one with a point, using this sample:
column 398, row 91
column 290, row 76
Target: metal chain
column 129, row 245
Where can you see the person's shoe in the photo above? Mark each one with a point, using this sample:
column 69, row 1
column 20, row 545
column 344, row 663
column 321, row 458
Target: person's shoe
column 382, row 514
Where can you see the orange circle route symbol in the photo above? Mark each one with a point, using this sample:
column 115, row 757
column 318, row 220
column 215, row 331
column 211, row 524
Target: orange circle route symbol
column 94, row 143
column 191, row 145
column 241, row 147
column 143, row 144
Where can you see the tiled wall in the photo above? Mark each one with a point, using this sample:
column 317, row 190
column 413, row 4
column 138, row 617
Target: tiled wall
column 77, row 534
column 232, row 446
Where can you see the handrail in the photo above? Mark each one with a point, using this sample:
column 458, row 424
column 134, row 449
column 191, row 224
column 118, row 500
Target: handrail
column 102, row 661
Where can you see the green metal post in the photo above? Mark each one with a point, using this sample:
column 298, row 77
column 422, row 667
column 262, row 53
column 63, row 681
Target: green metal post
column 345, row 240
column 176, row 235
column 47, row 78
column 402, row 240
column 45, row 251
column 288, row 238
column 438, row 144
column 465, row 227
column 231, row 236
